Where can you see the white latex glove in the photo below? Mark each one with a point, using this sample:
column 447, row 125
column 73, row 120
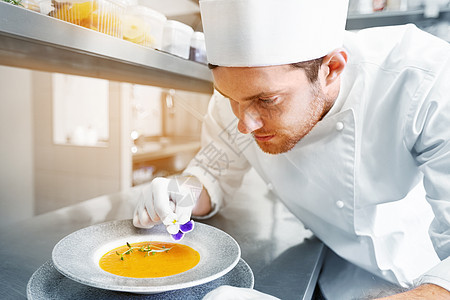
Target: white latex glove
column 169, row 201
column 226, row 292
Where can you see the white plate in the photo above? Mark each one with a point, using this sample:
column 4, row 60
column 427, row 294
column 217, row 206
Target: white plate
column 77, row 255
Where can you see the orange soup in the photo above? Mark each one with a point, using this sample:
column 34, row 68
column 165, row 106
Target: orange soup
column 149, row 259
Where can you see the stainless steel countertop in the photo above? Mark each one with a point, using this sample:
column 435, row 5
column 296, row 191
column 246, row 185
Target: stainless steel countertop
column 284, row 256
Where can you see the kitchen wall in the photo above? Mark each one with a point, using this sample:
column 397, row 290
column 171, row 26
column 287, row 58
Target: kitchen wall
column 66, row 173
column 39, row 174
column 16, row 151
column 184, row 116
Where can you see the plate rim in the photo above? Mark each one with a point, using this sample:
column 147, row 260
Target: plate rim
column 142, row 289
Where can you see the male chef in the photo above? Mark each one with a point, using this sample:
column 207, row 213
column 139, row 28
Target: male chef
column 346, row 127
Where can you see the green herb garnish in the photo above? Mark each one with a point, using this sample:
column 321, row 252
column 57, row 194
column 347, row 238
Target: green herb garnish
column 146, row 248
column 121, row 256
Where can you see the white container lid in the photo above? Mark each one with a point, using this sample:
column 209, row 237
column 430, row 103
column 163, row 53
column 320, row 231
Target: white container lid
column 172, row 24
column 198, row 40
column 141, row 10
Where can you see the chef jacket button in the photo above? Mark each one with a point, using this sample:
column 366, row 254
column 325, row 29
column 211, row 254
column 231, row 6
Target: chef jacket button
column 270, row 186
column 340, row 204
column 339, row 126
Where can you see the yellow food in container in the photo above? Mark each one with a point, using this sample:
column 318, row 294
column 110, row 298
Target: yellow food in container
column 31, row 5
column 101, row 15
column 144, row 26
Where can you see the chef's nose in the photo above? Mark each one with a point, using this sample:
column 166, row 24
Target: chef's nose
column 249, row 119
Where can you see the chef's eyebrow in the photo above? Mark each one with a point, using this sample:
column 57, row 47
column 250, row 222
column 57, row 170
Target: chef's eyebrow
column 258, row 96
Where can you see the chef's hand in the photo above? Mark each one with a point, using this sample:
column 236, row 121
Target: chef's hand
column 168, row 201
column 226, row 292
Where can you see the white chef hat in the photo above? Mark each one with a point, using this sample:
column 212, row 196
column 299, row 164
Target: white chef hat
column 244, row 33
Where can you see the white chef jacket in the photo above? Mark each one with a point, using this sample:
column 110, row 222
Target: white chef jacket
column 349, row 179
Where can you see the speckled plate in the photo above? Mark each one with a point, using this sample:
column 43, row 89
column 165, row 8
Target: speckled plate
column 47, row 283
column 77, row 256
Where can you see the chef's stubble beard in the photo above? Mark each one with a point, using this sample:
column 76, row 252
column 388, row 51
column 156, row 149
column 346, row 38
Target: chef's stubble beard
column 316, row 112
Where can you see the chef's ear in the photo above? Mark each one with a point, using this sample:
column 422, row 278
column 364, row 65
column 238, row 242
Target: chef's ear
column 334, row 64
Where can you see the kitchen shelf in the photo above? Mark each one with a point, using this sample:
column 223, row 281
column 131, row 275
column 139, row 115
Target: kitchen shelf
column 165, row 152
column 387, row 18
column 35, row 41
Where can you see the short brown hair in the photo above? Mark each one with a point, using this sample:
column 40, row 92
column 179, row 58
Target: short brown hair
column 311, row 68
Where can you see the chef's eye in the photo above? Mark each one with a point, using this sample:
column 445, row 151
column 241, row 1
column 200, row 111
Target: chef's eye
column 268, row 100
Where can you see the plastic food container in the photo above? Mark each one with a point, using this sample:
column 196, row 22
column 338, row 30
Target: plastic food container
column 177, row 38
column 144, row 26
column 100, row 15
column 198, row 48
column 31, row 5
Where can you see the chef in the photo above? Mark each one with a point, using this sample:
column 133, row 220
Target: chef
column 349, row 130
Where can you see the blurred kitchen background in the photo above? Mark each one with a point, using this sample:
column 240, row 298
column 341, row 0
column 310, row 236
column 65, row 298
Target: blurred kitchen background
column 75, row 134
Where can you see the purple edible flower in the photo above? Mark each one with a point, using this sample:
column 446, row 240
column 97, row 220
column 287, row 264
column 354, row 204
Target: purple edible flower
column 184, row 228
